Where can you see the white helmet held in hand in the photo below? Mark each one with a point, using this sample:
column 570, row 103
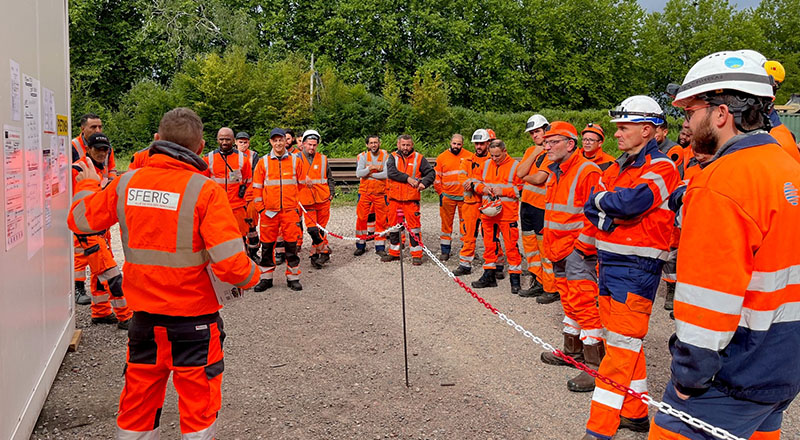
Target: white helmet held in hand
column 536, row 121
column 638, row 109
column 491, row 206
column 481, row 135
column 725, row 71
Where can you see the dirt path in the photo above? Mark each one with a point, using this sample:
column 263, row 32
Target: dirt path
column 327, row 363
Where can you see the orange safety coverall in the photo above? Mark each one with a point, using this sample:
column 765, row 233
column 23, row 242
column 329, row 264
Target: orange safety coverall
column 251, row 214
column 505, row 224
column 275, row 194
column 632, row 242
column 734, row 351
column 451, row 193
column 371, row 197
column 532, row 207
column 784, row 136
column 470, row 172
column 234, row 173
column 405, row 198
column 316, row 199
column 174, row 223
column 600, row 158
column 569, row 240
column 93, row 250
column 79, row 152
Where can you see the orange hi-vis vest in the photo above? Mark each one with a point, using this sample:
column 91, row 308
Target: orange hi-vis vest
column 317, row 171
column 448, row 166
column 534, row 194
column 104, row 178
column 139, row 159
column 174, row 222
column 275, row 186
column 230, row 174
column 252, row 156
column 79, row 147
column 504, row 177
column 568, row 189
column 369, row 184
column 402, row 191
column 471, row 169
column 600, row 158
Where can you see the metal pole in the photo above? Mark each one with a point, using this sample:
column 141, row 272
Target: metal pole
column 311, row 84
column 403, row 295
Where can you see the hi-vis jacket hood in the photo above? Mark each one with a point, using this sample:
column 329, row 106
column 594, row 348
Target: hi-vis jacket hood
column 178, row 152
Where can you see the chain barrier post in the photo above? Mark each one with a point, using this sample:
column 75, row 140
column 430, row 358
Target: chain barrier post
column 401, row 219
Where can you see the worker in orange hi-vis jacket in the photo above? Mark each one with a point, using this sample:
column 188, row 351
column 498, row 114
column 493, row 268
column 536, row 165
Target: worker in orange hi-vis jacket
column 372, row 200
column 276, row 196
column 316, row 191
column 451, row 192
column 232, row 170
column 108, row 300
column 251, row 215
column 634, row 228
column 177, row 227
column 592, row 138
column 736, row 346
column 91, row 124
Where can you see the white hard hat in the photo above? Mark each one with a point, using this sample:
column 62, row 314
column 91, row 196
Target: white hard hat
column 638, row 109
column 312, row 134
column 725, row 71
column 755, row 56
column 536, row 121
column 480, row 135
column 491, row 207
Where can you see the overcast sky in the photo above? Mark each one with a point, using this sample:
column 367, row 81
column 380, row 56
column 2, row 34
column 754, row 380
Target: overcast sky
column 658, row 5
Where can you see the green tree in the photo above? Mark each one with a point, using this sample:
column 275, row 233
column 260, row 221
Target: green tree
column 430, row 115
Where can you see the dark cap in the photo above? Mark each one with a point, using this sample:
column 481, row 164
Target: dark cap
column 242, row 135
column 276, row 132
column 98, row 140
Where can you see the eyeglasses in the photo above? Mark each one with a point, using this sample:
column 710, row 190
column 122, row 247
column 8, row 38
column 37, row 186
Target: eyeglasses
column 689, row 111
column 590, row 141
column 552, row 143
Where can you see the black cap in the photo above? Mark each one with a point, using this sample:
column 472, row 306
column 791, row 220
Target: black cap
column 98, row 140
column 242, row 135
column 276, row 132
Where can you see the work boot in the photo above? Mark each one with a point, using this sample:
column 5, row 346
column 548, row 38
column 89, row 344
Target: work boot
column 324, row 258
column 515, row 283
column 498, row 273
column 315, row 261
column 380, row 252
column 416, row 261
column 462, row 270
column 252, row 252
column 262, row 285
column 387, row 258
column 486, row 280
column 359, row 252
column 110, row 319
column 535, row 290
column 573, row 347
column 548, row 297
column 584, row 382
column 670, row 299
column 589, row 437
column 444, row 257
column 281, row 258
column 635, row 425
column 81, row 298
column 294, row 285
column 123, row 325
column 672, row 315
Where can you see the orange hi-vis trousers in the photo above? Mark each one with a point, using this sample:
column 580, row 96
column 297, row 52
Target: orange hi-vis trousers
column 532, row 222
column 492, row 232
column 626, row 300
column 468, row 222
column 447, row 213
column 576, row 277
column 106, row 279
column 316, row 215
column 189, row 348
column 371, row 205
column 410, row 210
column 287, row 225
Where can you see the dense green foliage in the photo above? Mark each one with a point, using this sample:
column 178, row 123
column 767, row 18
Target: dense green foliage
column 391, row 67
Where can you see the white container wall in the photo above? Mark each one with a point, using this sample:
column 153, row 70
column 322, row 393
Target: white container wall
column 36, row 305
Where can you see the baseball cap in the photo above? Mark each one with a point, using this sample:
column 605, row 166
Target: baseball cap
column 98, row 140
column 242, row 135
column 276, row 132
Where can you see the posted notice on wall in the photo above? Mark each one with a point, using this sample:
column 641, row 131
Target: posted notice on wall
column 16, row 93
column 13, row 169
column 64, row 156
column 34, row 183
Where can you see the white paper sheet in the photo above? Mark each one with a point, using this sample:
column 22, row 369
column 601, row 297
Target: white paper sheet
column 34, row 184
column 13, row 170
column 16, row 93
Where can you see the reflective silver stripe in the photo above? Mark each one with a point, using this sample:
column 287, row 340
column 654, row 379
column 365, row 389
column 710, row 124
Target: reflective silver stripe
column 258, row 185
column 324, row 170
column 273, row 182
column 709, row 299
column 319, row 181
column 81, row 222
column 205, row 434
column 640, row 386
column 416, row 164
column 118, row 303
column 641, row 251
column 211, row 161
column 570, row 207
column 225, row 250
column 498, row 185
column 99, row 299
column 659, row 181
column 249, row 277
column 515, row 267
column 583, row 238
column 124, row 434
column 528, row 233
column 555, row 226
column 534, row 189
column 617, row 340
column 598, row 198
column 81, row 194
column 219, row 179
column 608, row 398
column 447, row 242
column 702, row 337
column 762, row 320
column 110, row 273
column 258, row 199
column 774, row 281
column 183, row 256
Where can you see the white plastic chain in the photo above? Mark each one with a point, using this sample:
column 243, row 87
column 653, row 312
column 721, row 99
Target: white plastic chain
column 346, row 238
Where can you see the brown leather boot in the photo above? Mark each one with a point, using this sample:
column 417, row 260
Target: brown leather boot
column 584, row 382
column 572, row 347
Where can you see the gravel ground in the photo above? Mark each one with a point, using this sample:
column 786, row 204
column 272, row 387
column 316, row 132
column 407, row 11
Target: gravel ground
column 327, row 362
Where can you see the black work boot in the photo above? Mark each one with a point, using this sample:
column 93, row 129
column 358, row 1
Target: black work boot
column 315, row 261
column 359, row 252
column 386, row 258
column 81, row 298
column 573, row 347
column 444, row 256
column 123, row 325
column 498, row 272
column 514, row 278
column 486, row 280
column 294, row 285
column 110, row 319
column 324, row 258
column 670, row 299
column 262, row 285
column 535, row 290
column 548, row 297
column 584, row 382
column 380, row 252
column 462, row 270
column 635, row 425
